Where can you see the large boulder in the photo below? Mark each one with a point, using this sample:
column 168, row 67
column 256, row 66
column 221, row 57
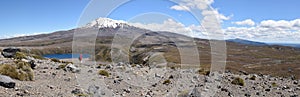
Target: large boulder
column 7, row 82
column 72, row 68
column 10, row 52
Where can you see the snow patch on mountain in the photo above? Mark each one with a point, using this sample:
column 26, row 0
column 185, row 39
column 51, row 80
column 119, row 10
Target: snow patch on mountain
column 105, row 23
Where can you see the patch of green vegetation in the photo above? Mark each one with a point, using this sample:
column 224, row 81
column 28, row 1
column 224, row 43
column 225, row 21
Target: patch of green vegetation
column 274, row 84
column 253, row 77
column 238, row 81
column 167, row 82
column 55, row 60
column 19, row 55
column 103, row 73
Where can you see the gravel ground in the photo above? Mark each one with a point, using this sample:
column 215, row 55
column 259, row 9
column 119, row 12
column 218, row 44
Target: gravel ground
column 125, row 80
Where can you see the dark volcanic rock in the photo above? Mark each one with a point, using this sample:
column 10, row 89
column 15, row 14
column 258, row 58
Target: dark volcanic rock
column 32, row 64
column 10, row 52
column 7, row 82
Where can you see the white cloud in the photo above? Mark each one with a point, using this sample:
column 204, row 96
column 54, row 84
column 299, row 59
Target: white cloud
column 168, row 25
column 216, row 14
column 268, row 30
column 248, row 22
column 180, row 8
column 200, row 4
column 203, row 5
column 20, row 35
column 275, row 24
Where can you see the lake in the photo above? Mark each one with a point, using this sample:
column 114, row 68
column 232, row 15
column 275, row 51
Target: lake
column 65, row 56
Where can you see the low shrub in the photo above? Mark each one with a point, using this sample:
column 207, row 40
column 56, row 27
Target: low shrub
column 238, row 81
column 82, row 95
column 167, row 82
column 9, row 70
column 183, row 94
column 55, row 60
column 274, row 84
column 100, row 65
column 253, row 77
column 203, row 72
column 103, row 73
column 25, row 71
column 62, row 66
column 66, row 62
column 22, row 71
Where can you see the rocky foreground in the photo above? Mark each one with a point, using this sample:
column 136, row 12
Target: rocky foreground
column 57, row 78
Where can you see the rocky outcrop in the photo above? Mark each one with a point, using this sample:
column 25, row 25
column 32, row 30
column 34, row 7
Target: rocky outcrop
column 7, row 82
column 72, row 68
column 10, row 52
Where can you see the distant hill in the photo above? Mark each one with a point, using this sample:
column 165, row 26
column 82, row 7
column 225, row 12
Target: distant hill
column 248, row 42
column 286, row 44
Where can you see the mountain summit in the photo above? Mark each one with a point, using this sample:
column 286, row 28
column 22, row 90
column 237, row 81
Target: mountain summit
column 105, row 23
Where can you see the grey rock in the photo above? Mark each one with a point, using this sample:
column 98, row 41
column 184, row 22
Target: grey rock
column 94, row 90
column 195, row 93
column 7, row 82
column 76, row 91
column 32, row 64
column 10, row 52
column 247, row 95
column 72, row 68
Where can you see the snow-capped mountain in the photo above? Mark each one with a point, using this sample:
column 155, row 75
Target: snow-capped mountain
column 105, row 23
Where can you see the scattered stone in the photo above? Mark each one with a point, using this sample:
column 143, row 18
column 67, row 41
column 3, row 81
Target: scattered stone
column 268, row 90
column 285, row 87
column 32, row 64
column 195, row 93
column 7, row 82
column 247, row 95
column 76, row 91
column 94, row 90
column 223, row 89
column 50, row 86
column 126, row 90
column 90, row 71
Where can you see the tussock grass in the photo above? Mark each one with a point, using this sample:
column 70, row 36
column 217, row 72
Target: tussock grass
column 20, row 55
column 167, row 82
column 104, row 73
column 238, row 81
column 21, row 71
column 55, row 60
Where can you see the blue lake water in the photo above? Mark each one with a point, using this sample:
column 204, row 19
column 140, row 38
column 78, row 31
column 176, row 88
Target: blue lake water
column 65, row 56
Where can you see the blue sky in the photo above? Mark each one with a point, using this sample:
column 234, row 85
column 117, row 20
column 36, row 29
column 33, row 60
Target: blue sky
column 25, row 17
column 259, row 10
